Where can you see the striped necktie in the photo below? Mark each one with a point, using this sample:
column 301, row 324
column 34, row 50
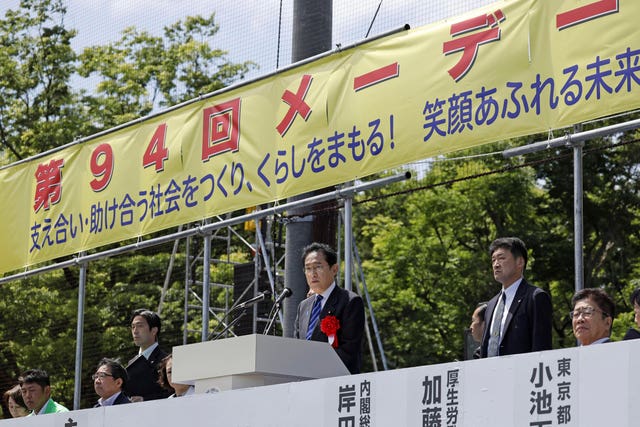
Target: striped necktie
column 494, row 339
column 315, row 315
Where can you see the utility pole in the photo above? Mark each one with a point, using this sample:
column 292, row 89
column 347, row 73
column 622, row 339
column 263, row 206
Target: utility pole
column 312, row 27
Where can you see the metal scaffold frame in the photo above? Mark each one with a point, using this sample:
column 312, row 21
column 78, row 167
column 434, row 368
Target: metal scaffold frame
column 205, row 231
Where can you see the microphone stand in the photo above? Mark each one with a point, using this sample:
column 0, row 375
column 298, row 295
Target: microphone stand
column 272, row 318
column 229, row 325
column 243, row 306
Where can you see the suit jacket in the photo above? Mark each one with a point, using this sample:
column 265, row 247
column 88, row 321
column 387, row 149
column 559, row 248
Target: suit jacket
column 143, row 376
column 528, row 324
column 121, row 399
column 631, row 334
column 348, row 308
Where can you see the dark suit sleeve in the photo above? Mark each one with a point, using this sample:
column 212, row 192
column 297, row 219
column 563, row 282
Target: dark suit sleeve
column 631, row 334
column 121, row 399
column 542, row 316
column 350, row 334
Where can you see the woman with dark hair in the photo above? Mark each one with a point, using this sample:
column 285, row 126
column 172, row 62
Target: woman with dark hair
column 13, row 401
column 164, row 374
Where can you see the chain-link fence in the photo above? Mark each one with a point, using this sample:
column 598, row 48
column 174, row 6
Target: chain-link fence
column 40, row 312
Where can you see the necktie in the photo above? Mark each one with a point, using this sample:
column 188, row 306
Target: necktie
column 494, row 339
column 315, row 315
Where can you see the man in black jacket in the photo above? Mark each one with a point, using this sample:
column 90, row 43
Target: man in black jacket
column 332, row 305
column 143, row 369
column 518, row 319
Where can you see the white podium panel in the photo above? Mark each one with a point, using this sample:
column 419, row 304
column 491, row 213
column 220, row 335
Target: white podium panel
column 593, row 386
column 253, row 360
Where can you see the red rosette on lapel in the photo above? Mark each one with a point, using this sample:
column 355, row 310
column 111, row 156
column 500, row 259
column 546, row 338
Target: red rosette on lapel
column 329, row 326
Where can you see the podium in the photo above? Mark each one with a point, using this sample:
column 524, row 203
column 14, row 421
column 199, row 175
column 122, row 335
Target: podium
column 251, row 361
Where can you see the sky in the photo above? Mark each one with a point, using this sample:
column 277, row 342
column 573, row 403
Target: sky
column 249, row 29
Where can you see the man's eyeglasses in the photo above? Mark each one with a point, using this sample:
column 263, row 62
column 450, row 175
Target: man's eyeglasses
column 313, row 269
column 100, row 375
column 586, row 312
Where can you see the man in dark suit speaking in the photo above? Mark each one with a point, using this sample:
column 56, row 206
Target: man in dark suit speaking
column 331, row 314
column 518, row 319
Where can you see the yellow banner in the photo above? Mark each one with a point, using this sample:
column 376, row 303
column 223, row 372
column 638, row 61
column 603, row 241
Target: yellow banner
column 510, row 69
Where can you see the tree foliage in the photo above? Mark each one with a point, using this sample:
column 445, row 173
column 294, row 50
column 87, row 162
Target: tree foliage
column 38, row 108
column 140, row 72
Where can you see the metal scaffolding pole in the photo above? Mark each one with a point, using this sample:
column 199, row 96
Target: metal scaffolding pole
column 206, row 289
column 578, row 227
column 576, row 141
column 383, row 357
column 77, row 388
column 348, row 241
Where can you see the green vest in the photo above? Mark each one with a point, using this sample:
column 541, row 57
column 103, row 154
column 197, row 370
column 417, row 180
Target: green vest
column 51, row 407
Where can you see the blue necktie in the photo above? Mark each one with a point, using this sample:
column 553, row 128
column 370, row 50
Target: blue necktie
column 315, row 315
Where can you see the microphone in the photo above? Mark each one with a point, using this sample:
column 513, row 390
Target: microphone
column 286, row 293
column 260, row 297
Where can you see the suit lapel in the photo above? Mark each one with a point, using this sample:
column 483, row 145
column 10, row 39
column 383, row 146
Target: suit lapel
column 491, row 306
column 155, row 356
column 517, row 299
column 306, row 314
column 329, row 308
column 332, row 301
column 134, row 359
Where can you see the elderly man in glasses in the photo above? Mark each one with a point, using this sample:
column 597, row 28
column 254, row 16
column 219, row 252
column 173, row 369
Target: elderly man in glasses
column 109, row 381
column 592, row 316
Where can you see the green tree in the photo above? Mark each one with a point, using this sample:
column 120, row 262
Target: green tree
column 141, row 72
column 38, row 109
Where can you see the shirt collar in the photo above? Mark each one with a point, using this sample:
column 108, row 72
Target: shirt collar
column 44, row 407
column 109, row 401
column 326, row 293
column 600, row 341
column 149, row 350
column 510, row 292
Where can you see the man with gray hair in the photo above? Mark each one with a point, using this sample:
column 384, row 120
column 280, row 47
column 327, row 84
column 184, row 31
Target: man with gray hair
column 592, row 316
